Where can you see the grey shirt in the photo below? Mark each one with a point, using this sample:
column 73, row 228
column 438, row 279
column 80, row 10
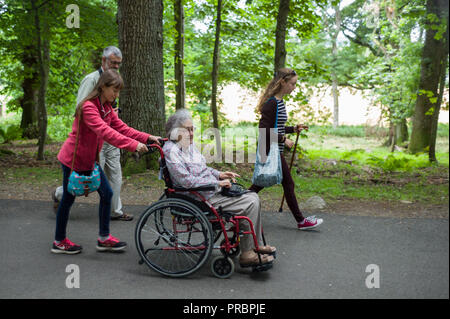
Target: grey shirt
column 87, row 85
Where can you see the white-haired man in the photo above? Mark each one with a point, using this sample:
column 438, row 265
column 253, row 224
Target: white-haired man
column 109, row 155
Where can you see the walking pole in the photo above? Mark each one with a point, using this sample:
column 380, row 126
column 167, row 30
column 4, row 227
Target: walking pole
column 290, row 166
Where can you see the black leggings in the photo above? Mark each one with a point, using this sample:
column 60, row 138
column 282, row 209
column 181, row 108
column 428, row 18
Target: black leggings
column 288, row 187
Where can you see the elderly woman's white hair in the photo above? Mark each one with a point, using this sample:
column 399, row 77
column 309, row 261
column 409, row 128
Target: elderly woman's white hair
column 175, row 121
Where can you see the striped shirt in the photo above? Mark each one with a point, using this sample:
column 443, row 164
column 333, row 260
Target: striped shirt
column 282, row 118
column 267, row 122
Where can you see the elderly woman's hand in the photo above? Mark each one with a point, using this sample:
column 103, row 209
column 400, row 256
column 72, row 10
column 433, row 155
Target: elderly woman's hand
column 229, row 175
column 225, row 183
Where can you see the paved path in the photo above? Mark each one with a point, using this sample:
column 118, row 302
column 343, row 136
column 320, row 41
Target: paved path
column 412, row 256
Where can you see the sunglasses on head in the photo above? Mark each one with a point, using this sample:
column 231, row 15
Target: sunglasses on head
column 293, row 73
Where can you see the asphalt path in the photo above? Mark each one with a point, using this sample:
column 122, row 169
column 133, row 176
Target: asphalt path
column 411, row 257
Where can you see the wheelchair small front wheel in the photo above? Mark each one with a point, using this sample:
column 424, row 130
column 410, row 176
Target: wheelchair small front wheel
column 222, row 267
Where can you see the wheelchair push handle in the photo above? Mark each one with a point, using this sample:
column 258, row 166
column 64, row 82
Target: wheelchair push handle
column 153, row 147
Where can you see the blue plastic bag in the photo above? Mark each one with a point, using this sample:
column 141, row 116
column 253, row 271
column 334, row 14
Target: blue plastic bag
column 269, row 173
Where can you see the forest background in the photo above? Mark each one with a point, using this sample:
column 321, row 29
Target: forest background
column 185, row 53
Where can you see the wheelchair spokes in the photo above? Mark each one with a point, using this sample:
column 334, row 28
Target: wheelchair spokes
column 173, row 238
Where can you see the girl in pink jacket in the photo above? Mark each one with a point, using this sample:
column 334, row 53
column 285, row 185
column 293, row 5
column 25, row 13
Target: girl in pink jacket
column 98, row 123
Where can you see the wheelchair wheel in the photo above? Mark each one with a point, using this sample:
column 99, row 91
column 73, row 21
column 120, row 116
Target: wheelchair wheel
column 173, row 237
column 222, row 267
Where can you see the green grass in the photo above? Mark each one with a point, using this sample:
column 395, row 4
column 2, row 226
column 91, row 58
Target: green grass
column 41, row 175
column 336, row 188
column 367, row 131
column 348, row 183
column 383, row 159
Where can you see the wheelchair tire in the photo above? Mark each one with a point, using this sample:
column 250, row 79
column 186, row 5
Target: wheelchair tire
column 222, row 267
column 173, row 237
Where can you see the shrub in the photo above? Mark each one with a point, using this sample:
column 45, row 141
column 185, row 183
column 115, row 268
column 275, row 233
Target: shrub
column 11, row 133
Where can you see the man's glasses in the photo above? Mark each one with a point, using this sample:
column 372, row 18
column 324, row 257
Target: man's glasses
column 115, row 63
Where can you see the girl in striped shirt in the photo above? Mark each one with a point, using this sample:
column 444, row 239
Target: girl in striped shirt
column 282, row 84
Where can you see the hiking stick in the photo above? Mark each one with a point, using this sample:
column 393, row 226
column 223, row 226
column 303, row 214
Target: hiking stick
column 290, row 166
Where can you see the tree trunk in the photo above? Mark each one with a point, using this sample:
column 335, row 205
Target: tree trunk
column 43, row 44
column 435, row 118
column 280, row 35
column 30, row 88
column 335, row 93
column 398, row 133
column 433, row 56
column 391, row 134
column 30, row 85
column 215, row 79
column 394, row 137
column 334, row 88
column 180, row 88
column 141, row 43
column 215, row 70
column 401, row 130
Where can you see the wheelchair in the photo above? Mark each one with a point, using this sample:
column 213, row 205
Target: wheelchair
column 176, row 235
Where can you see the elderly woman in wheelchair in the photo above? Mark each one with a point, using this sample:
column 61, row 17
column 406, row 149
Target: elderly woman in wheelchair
column 176, row 235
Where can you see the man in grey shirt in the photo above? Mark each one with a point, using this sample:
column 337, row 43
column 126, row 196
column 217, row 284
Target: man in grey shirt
column 109, row 155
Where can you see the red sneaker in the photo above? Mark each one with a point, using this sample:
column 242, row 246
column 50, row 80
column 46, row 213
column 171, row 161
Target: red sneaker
column 111, row 244
column 309, row 223
column 66, row 247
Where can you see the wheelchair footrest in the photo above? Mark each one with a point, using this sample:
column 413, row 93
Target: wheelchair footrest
column 273, row 254
column 262, row 267
column 259, row 267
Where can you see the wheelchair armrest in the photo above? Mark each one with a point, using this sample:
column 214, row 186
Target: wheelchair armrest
column 210, row 187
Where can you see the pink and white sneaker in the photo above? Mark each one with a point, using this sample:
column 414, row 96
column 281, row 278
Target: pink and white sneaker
column 111, row 244
column 309, row 223
column 65, row 246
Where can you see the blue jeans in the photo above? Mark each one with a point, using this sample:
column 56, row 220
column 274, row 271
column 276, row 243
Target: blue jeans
column 104, row 212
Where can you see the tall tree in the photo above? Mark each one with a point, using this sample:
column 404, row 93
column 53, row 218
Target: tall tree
column 435, row 118
column 30, row 87
column 43, row 49
column 433, row 65
column 215, row 69
column 141, row 43
column 334, row 86
column 280, row 35
column 69, row 50
column 18, row 43
column 215, row 79
column 387, row 29
column 180, row 87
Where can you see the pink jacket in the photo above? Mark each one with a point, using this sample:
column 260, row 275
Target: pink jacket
column 99, row 123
